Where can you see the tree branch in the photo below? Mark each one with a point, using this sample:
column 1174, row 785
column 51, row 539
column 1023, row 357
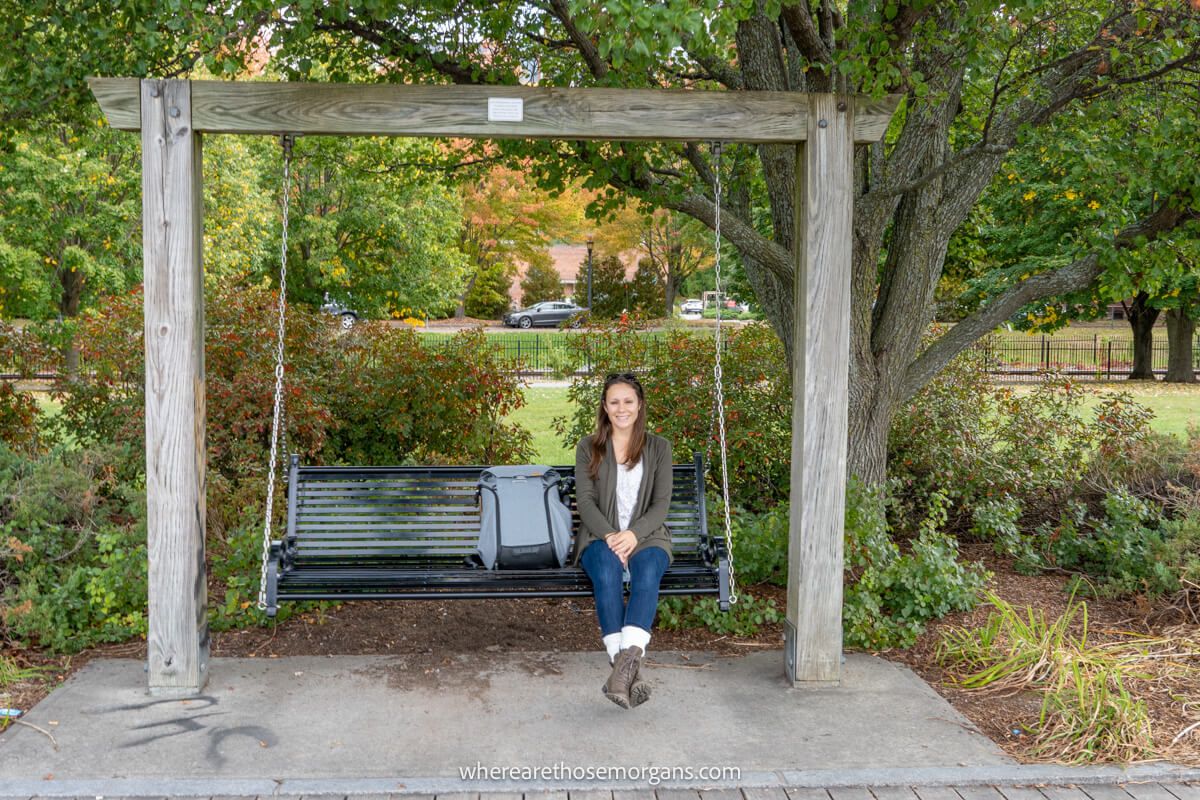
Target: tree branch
column 587, row 48
column 800, row 25
column 771, row 255
column 971, row 152
column 720, row 71
column 388, row 40
column 1075, row 276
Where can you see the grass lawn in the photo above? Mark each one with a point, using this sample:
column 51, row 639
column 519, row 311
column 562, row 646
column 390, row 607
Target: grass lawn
column 1174, row 405
column 543, row 404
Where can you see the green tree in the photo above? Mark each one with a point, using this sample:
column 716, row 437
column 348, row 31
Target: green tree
column 674, row 245
column 372, row 229
column 975, row 76
column 1183, row 309
column 610, row 292
column 488, row 296
column 507, row 219
column 541, row 281
column 69, row 219
column 242, row 178
column 646, row 290
column 1054, row 200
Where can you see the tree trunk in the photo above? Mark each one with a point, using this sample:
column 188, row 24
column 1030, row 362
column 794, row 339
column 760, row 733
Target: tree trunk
column 68, row 308
column 1181, row 330
column 1141, row 319
column 461, row 311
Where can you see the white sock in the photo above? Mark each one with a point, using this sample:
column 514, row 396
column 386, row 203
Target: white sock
column 612, row 643
column 633, row 636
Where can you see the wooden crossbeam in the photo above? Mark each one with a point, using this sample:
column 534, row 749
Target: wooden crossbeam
column 491, row 112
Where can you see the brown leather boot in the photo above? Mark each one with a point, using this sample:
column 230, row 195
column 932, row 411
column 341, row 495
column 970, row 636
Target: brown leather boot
column 625, row 668
column 639, row 690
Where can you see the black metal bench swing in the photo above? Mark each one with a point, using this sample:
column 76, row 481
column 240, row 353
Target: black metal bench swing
column 403, row 533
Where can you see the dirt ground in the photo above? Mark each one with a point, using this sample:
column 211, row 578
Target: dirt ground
column 436, row 630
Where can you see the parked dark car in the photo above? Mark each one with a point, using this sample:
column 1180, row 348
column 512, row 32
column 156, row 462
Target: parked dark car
column 551, row 313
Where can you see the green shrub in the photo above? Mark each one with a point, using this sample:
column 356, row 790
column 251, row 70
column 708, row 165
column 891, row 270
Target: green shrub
column 976, row 442
column 20, row 418
column 75, row 567
column 760, row 543
column 744, row 617
column 676, row 371
column 890, row 596
column 1120, row 552
column 1180, row 549
column 374, row 395
column 999, row 520
column 401, row 401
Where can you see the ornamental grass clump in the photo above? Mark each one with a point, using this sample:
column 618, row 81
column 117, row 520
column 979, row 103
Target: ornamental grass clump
column 1094, row 695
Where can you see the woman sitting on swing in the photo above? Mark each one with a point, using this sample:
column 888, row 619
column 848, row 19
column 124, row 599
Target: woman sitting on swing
column 623, row 481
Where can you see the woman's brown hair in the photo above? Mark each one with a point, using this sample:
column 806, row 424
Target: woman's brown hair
column 637, row 441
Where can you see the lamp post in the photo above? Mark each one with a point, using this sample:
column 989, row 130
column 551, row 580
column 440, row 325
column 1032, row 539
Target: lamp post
column 590, row 244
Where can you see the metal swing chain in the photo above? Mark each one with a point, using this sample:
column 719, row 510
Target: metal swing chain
column 718, row 373
column 286, row 142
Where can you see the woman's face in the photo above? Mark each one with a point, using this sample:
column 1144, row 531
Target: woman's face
column 621, row 403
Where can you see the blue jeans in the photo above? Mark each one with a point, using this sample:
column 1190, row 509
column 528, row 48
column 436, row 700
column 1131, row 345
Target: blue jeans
column 646, row 569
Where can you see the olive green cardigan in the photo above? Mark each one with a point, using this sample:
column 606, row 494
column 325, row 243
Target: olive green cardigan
column 597, row 499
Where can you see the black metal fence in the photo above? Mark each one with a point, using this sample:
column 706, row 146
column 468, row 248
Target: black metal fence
column 553, row 354
column 1087, row 358
column 1012, row 358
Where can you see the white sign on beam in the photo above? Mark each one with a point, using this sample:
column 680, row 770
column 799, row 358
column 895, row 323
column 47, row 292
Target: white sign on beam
column 506, row 109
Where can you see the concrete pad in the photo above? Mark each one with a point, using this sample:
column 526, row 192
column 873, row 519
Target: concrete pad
column 352, row 717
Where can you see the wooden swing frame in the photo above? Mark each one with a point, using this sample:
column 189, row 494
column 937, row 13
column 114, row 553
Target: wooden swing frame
column 172, row 117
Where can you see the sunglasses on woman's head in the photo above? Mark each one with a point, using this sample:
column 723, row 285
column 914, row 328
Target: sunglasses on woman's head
column 628, row 376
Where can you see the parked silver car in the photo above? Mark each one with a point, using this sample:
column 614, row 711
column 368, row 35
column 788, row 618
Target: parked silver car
column 551, row 313
column 346, row 315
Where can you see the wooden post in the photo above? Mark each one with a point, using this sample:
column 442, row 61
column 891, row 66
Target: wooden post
column 172, row 229
column 820, row 381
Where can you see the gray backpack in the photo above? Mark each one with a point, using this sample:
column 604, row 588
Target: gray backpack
column 524, row 522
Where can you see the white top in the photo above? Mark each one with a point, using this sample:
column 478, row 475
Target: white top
column 629, row 480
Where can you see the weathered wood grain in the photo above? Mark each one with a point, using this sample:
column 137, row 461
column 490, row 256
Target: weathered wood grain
column 1063, row 793
column 824, row 218
column 1020, row 793
column 764, row 793
column 802, row 793
column 172, row 230
column 627, row 794
column 1147, row 791
column 978, row 793
column 462, row 111
column 1106, row 791
column 1183, row 791
column 893, row 793
column 850, row 793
